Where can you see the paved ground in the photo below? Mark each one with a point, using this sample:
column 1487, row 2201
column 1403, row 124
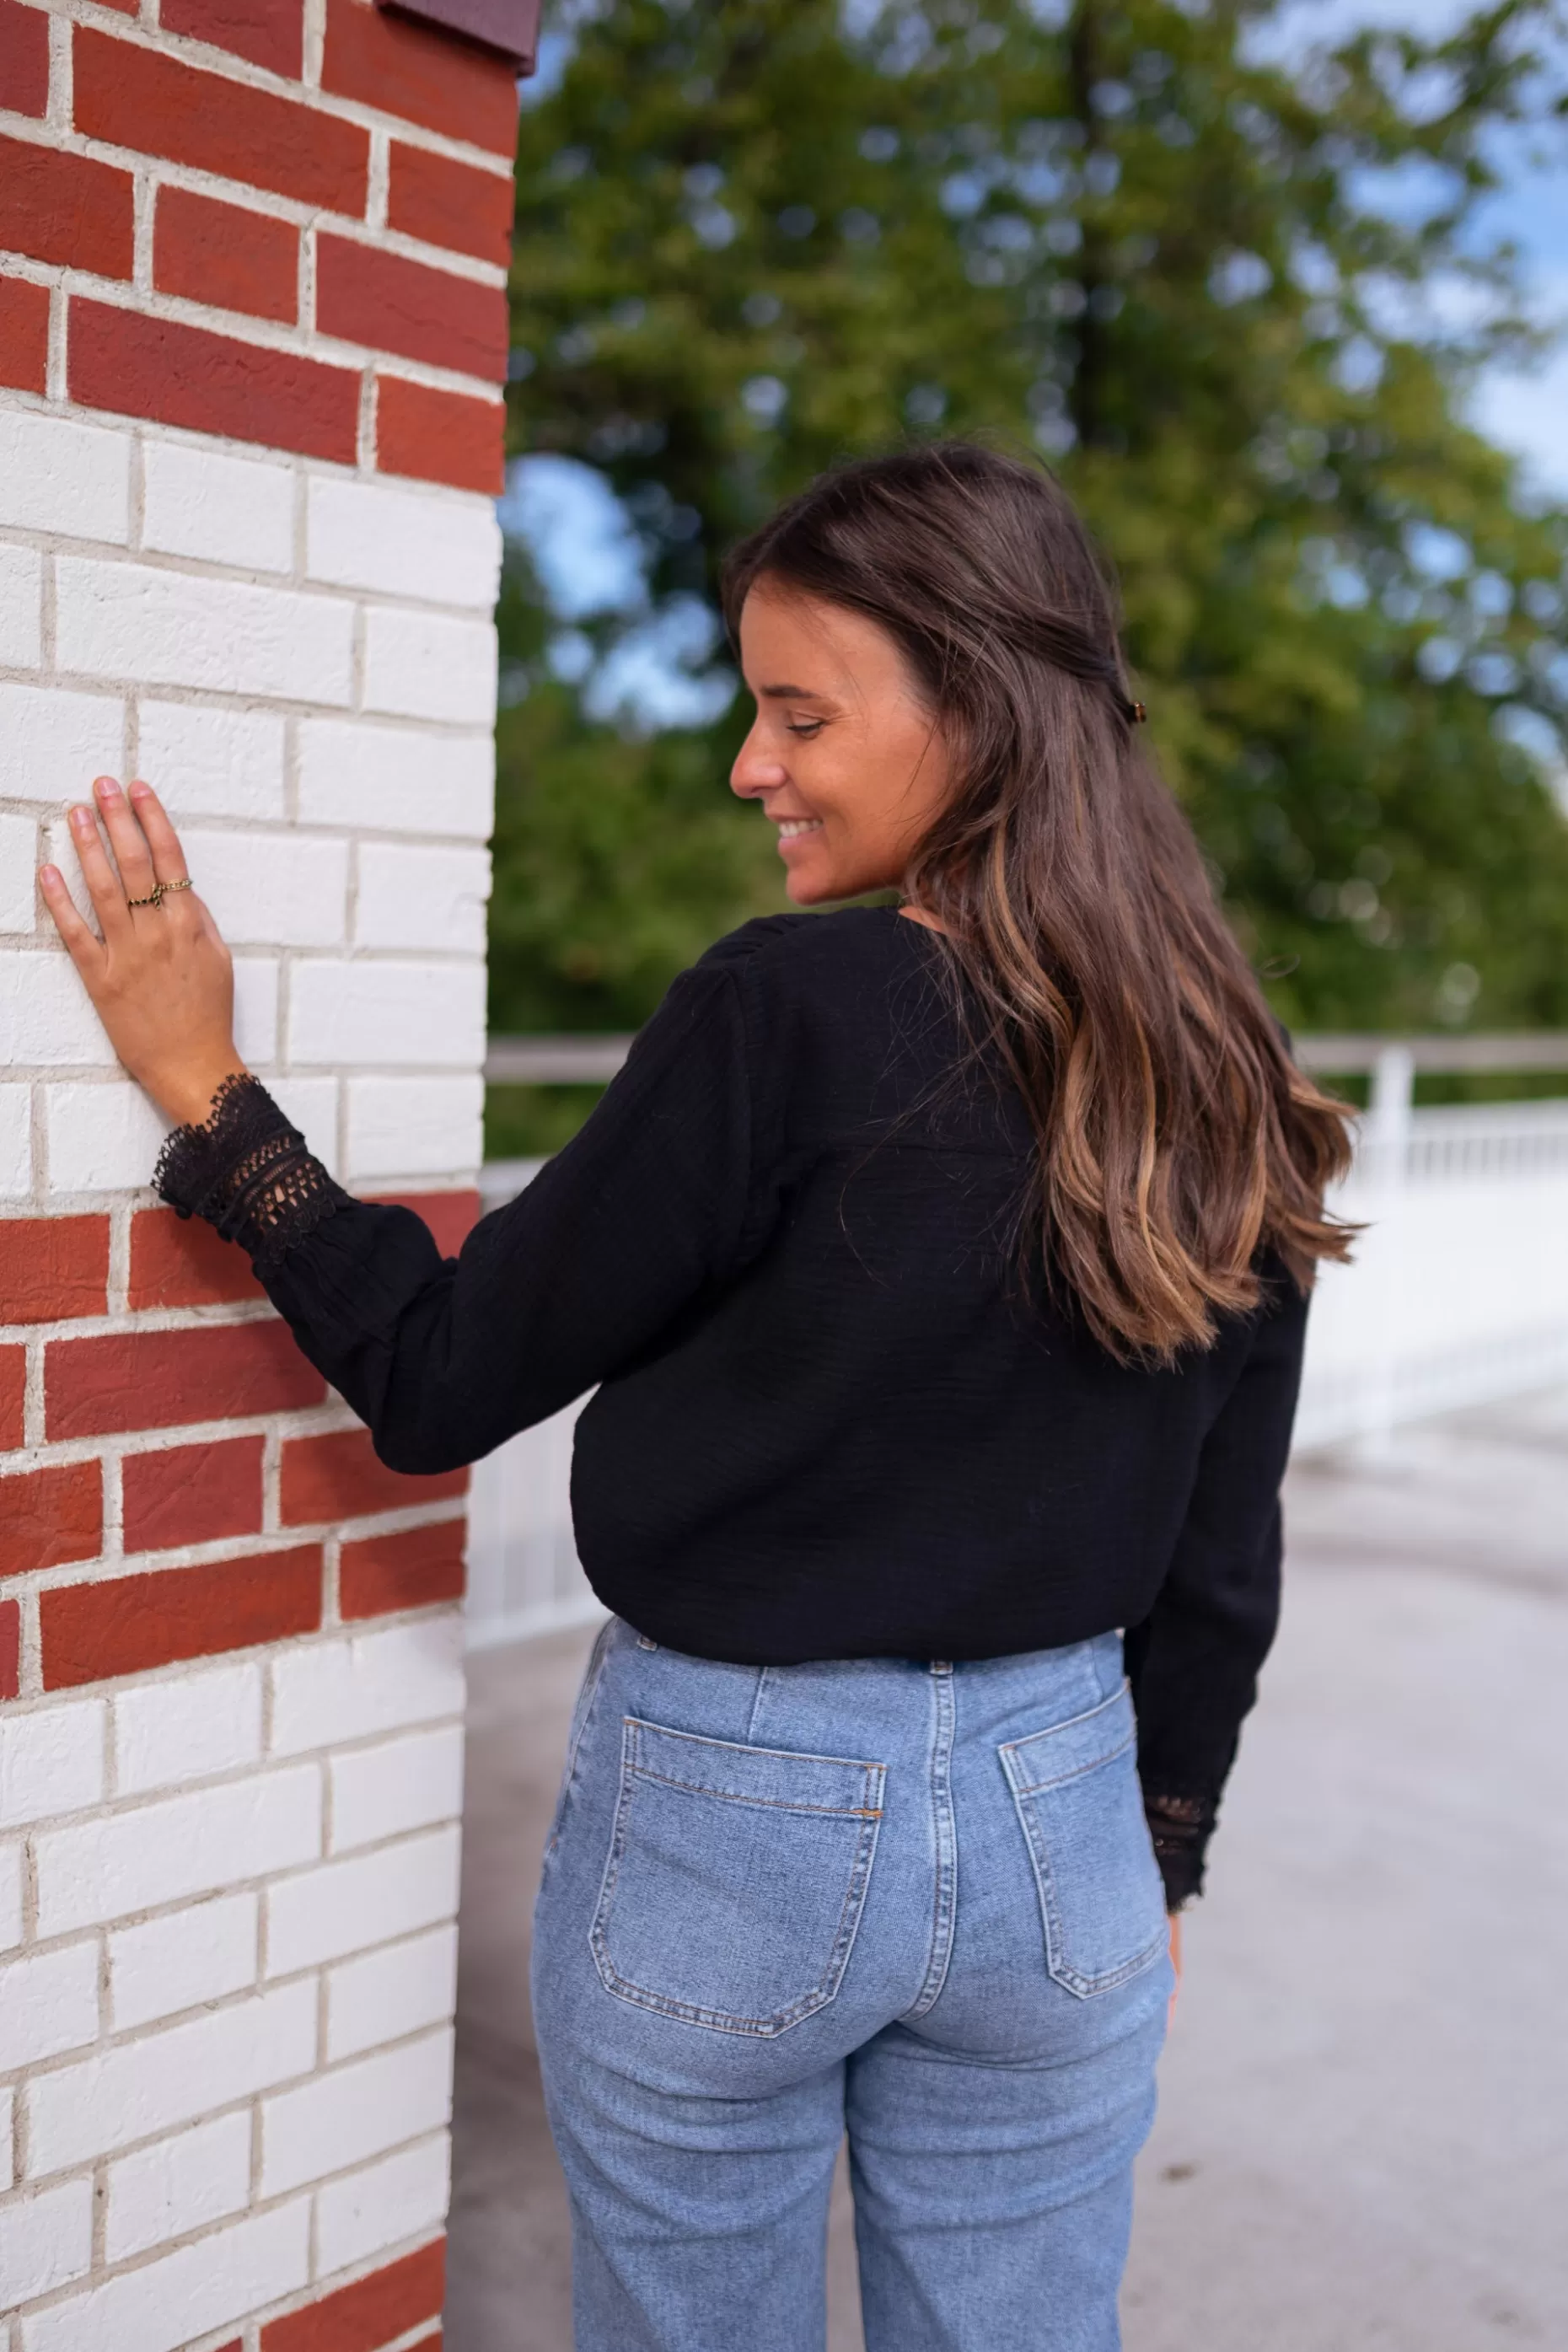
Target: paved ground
column 1363, row 2137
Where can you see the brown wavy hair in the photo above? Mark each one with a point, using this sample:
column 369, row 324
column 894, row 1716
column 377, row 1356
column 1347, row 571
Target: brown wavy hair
column 1177, row 1143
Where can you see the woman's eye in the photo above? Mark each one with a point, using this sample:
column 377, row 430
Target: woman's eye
column 807, row 726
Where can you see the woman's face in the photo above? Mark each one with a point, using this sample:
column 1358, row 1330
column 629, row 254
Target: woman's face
column 843, row 756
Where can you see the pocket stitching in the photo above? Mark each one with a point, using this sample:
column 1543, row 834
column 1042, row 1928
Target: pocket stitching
column 820, row 1995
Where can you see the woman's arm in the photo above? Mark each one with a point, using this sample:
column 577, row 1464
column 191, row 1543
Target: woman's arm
column 1193, row 1661
column 443, row 1358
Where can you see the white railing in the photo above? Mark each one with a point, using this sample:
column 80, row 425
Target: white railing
column 1457, row 1295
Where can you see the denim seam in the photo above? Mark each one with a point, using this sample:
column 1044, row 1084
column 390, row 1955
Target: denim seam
column 1061, row 1779
column 690, row 2012
column 945, row 1827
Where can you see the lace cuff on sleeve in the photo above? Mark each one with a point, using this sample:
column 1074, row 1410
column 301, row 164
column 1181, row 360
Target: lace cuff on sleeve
column 247, row 1171
column 1181, row 1828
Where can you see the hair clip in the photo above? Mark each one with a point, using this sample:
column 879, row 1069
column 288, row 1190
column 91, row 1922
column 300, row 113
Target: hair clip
column 1140, row 714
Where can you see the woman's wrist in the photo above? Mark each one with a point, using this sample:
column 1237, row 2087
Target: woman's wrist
column 186, row 1099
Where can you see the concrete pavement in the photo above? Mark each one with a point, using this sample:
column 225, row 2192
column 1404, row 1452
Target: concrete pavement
column 1362, row 2143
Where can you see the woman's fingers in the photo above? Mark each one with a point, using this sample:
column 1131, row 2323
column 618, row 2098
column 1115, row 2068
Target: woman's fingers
column 85, row 950
column 126, row 839
column 102, row 881
column 162, row 841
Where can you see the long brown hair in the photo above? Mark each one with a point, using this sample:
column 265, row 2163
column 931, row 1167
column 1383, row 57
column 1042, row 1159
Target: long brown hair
column 1176, row 1141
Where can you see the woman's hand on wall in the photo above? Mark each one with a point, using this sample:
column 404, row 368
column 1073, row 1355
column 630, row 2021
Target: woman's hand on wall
column 160, row 977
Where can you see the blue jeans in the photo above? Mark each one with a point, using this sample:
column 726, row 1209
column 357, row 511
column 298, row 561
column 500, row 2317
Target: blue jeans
column 915, row 1903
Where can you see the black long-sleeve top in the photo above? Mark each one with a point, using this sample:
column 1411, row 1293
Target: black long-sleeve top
column 830, row 1418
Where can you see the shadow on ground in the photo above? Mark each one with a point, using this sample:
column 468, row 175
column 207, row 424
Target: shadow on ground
column 1361, row 2145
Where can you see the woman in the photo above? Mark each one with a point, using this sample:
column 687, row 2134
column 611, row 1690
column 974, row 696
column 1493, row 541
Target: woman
column 941, row 1270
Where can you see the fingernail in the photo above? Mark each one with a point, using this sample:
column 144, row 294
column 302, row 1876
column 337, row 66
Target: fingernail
column 83, row 819
column 49, row 876
column 107, row 789
column 141, row 791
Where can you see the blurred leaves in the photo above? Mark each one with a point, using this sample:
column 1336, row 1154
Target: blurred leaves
column 1240, row 307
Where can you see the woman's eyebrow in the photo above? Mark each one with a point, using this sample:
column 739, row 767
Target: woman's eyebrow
column 789, row 694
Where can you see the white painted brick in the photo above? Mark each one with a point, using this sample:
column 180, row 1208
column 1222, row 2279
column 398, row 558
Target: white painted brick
column 327, row 1691
column 353, row 772
column 101, row 1139
column 280, row 889
column 219, row 508
column 424, row 666
column 49, row 2002
column 206, row 1722
column 411, row 895
column 404, row 1784
column 168, row 628
column 354, row 2112
column 414, row 1127
column 53, row 743
column 56, row 475
column 15, row 1143
column 21, row 607
column 215, row 2281
column 382, row 1996
column 203, row 761
column 183, row 1960
column 368, row 1900
column 381, row 1012
column 45, row 1013
column 188, row 1845
column 51, row 1761
column 403, row 2196
column 8, row 2143
column 164, row 2191
column 255, row 1008
column 313, row 1105
column 441, row 548
column 10, row 1897
column 45, row 2239
column 166, row 2079
column 18, row 863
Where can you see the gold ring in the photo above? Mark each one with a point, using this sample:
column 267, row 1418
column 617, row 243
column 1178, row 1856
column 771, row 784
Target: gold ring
column 167, row 889
column 155, row 899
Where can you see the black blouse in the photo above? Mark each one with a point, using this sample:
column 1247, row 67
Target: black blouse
column 828, row 1421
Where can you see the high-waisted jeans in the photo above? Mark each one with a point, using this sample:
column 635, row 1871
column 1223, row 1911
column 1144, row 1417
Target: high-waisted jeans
column 914, row 1903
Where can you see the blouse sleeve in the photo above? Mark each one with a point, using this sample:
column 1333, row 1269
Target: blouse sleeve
column 1193, row 1661
column 618, row 1234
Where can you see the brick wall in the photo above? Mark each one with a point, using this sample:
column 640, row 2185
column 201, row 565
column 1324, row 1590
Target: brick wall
column 252, row 326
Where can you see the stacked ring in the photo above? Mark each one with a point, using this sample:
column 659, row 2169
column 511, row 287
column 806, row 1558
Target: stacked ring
column 160, row 891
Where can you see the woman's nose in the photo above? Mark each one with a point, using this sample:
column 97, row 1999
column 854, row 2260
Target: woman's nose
column 754, row 772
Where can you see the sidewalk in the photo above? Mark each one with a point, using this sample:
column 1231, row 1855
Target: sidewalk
column 1363, row 2137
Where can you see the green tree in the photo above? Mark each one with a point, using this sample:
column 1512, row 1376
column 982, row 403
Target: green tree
column 1238, row 303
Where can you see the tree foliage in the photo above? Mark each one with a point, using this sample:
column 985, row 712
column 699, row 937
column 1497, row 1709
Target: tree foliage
column 1237, row 301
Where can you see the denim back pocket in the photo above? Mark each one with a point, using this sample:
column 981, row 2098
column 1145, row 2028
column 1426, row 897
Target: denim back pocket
column 736, row 1879
column 1076, row 1792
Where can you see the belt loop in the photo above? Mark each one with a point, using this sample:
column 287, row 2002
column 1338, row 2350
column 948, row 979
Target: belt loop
column 644, row 1643
column 941, row 1665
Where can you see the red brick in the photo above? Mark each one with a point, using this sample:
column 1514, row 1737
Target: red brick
column 10, row 1648
column 451, row 1216
column 160, row 106
column 219, row 254
column 88, row 1632
column 369, row 2313
column 24, row 335
column 137, row 366
column 271, row 32
column 447, row 203
column 53, row 1266
column 396, row 305
column 193, row 1493
column 440, row 436
column 180, row 1262
column 13, row 1390
column 406, row 1570
column 427, row 77
column 339, row 1477
column 47, row 1516
column 155, row 1379
column 65, row 208
column 24, row 59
